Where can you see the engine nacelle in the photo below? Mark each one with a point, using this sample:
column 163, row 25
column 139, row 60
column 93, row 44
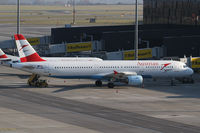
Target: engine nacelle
column 135, row 80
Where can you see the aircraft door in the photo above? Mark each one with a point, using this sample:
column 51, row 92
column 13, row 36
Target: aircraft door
column 96, row 68
column 47, row 69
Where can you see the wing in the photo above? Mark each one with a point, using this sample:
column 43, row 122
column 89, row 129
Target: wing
column 120, row 75
column 130, row 78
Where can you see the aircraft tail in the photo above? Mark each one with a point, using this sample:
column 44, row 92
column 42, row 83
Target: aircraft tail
column 25, row 50
column 3, row 55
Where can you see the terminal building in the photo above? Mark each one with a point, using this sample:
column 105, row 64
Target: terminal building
column 171, row 24
column 175, row 24
column 179, row 12
column 178, row 40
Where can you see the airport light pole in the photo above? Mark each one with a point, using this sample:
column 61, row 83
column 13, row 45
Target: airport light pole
column 136, row 30
column 74, row 13
column 18, row 16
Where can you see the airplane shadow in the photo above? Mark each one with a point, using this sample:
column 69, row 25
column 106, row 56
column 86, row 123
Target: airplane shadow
column 71, row 87
column 81, row 86
column 17, row 75
column 13, row 86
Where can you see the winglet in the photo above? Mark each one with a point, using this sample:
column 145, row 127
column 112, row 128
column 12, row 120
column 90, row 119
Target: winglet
column 25, row 50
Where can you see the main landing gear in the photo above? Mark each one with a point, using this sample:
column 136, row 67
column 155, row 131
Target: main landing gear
column 172, row 82
column 111, row 85
column 187, row 80
column 98, row 83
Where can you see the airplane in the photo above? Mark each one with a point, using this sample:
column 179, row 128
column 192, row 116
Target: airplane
column 6, row 59
column 129, row 72
column 3, row 56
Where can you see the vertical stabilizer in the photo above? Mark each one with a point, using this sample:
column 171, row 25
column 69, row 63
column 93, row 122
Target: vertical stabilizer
column 25, row 50
column 3, row 55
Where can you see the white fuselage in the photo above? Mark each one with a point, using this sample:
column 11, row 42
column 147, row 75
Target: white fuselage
column 99, row 69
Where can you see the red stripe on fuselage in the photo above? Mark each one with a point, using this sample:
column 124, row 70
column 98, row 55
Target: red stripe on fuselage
column 3, row 56
column 32, row 58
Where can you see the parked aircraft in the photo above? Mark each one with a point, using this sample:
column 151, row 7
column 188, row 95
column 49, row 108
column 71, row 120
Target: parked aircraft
column 129, row 72
column 7, row 57
column 2, row 55
column 6, row 60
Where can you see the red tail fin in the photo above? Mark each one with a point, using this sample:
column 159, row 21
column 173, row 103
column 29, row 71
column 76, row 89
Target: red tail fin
column 3, row 55
column 26, row 51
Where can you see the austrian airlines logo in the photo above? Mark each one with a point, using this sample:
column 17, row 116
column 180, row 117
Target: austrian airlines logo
column 23, row 47
column 165, row 65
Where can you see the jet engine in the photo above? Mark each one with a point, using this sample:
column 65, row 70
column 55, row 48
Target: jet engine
column 135, row 80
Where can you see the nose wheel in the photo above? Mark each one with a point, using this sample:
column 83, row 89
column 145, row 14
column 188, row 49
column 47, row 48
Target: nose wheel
column 172, row 82
column 188, row 80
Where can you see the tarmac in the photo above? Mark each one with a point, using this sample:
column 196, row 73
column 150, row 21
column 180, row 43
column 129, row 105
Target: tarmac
column 77, row 106
column 8, row 30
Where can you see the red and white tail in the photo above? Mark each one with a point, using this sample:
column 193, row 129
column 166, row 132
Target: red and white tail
column 3, row 55
column 25, row 50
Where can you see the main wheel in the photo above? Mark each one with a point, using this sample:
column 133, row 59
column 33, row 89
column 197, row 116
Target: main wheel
column 172, row 83
column 111, row 85
column 98, row 83
column 29, row 83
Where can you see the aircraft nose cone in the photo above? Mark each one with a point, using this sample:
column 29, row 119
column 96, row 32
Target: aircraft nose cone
column 190, row 71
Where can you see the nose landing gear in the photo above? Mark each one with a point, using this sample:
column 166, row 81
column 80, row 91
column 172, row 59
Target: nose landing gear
column 188, row 80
